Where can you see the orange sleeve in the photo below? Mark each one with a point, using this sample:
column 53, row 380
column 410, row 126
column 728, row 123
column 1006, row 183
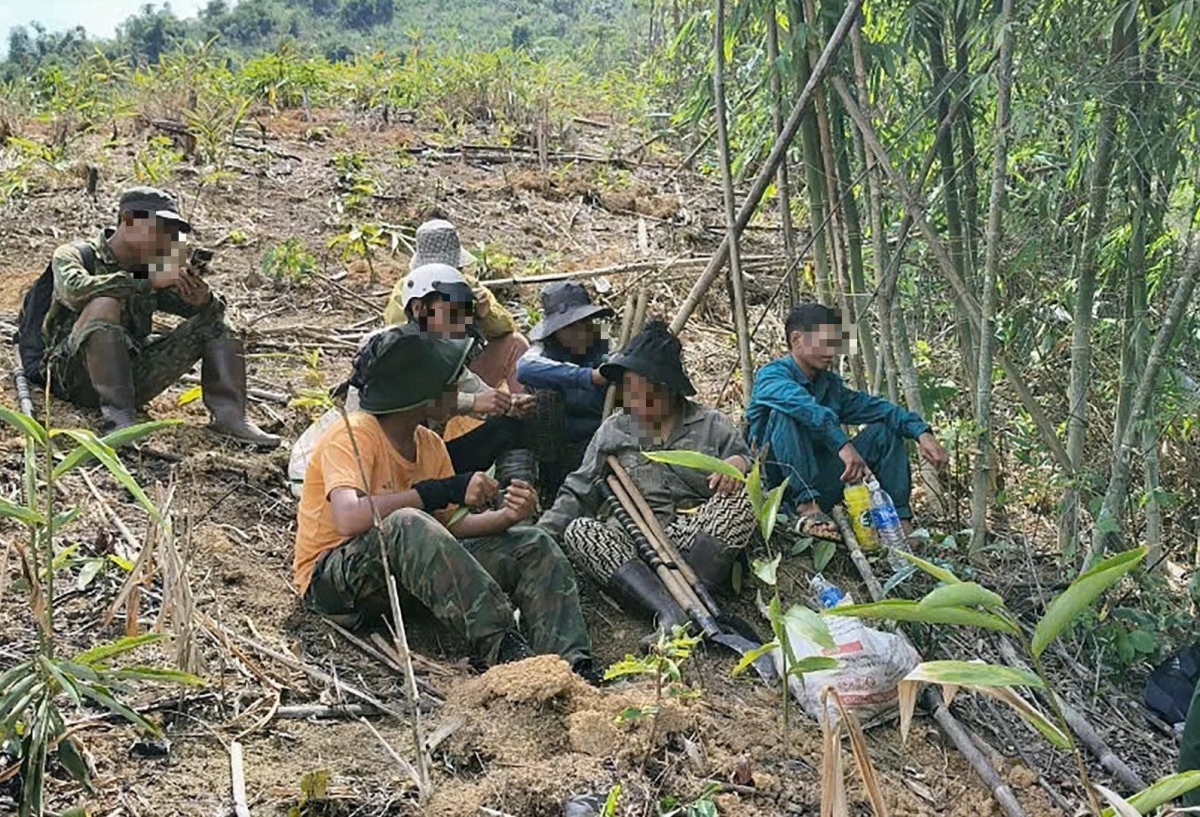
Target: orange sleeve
column 339, row 467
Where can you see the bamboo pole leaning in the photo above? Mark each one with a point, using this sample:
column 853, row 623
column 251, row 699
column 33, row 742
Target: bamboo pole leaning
column 737, row 283
column 767, row 172
column 931, row 699
column 610, row 395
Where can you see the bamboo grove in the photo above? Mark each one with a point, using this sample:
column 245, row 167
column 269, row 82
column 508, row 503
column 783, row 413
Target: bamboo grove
column 1001, row 196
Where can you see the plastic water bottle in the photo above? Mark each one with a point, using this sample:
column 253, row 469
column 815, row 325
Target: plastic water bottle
column 887, row 526
column 826, row 593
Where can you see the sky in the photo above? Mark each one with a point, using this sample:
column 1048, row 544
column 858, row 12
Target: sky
column 99, row 17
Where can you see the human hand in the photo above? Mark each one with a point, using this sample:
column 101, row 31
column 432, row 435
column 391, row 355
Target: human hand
column 492, row 403
column 598, row 379
column 520, row 501
column 483, row 304
column 480, row 489
column 523, row 405
column 192, row 289
column 723, row 483
column 856, row 467
column 932, row 450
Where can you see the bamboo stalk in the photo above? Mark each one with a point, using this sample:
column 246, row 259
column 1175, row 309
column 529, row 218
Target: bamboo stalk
column 765, row 175
column 738, row 284
column 980, row 492
column 782, row 182
column 610, row 394
column 237, row 774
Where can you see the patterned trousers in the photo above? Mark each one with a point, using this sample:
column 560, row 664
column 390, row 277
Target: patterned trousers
column 467, row 585
column 598, row 547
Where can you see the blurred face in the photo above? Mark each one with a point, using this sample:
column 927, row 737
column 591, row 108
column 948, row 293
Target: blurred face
column 445, row 406
column 444, row 319
column 151, row 238
column 649, row 403
column 577, row 337
column 817, row 349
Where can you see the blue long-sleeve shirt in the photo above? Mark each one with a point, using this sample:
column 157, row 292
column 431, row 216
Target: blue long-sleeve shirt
column 821, row 406
column 548, row 365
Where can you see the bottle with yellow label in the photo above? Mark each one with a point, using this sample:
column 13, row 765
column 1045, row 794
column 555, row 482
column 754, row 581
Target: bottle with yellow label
column 858, row 507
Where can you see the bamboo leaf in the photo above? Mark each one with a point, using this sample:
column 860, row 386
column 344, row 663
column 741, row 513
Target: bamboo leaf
column 805, row 623
column 823, row 551
column 114, row 440
column 771, row 512
column 754, row 486
column 70, row 759
column 1029, row 713
column 812, row 663
column 65, row 684
column 973, row 674
column 21, row 513
column 696, row 461
column 95, row 657
column 906, row 693
column 88, row 573
column 189, row 396
column 1120, row 806
column 940, row 573
column 102, row 696
column 904, row 610
column 1164, row 791
column 28, row 426
column 140, row 673
column 963, row 594
column 108, row 459
column 1080, row 595
column 752, row 656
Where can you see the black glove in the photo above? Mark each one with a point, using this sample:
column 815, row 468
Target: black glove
column 439, row 493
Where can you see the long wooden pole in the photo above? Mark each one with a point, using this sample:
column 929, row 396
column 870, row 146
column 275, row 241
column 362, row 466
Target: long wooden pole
column 738, row 285
column 767, row 172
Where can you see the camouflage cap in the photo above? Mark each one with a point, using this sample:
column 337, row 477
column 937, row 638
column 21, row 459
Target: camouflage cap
column 401, row 368
column 157, row 202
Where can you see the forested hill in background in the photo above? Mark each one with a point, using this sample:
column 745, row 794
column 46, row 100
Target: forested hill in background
column 599, row 31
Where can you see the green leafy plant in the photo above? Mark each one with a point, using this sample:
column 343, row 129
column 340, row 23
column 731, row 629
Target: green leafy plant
column 289, row 264
column 31, row 723
column 360, row 240
column 662, row 665
column 798, row 618
column 702, row 806
column 156, row 160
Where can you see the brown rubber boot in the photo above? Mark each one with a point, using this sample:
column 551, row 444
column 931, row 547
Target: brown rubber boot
column 107, row 359
column 223, row 383
column 636, row 586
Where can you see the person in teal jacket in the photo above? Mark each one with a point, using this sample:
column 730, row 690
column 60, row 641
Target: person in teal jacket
column 797, row 409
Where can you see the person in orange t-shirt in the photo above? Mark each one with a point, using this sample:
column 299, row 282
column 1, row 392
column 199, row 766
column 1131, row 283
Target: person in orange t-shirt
column 379, row 485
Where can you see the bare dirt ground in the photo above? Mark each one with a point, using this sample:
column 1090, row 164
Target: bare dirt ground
column 520, row 737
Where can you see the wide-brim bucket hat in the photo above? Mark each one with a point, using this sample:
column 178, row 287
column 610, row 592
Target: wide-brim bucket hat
column 656, row 355
column 401, row 368
column 565, row 303
column 438, row 243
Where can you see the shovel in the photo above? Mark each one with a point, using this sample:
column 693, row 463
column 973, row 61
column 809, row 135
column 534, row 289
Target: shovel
column 669, row 571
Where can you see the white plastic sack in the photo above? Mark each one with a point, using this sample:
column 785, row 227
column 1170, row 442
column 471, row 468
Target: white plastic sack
column 303, row 448
column 870, row 665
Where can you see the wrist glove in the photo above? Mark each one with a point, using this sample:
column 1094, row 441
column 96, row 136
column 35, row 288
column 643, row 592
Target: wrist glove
column 437, row 494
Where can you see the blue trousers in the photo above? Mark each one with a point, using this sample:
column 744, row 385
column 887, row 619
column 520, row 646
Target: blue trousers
column 814, row 472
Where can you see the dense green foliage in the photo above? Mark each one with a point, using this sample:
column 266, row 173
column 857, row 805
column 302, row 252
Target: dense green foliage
column 340, row 29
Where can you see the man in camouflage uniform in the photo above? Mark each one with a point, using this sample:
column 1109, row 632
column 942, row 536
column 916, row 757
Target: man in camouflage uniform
column 99, row 352
column 380, row 485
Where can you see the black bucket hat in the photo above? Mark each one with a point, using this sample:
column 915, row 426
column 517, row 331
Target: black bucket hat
column 656, row 355
column 565, row 303
column 400, row 368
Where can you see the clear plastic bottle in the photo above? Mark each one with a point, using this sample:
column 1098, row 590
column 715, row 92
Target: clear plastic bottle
column 887, row 526
column 826, row 593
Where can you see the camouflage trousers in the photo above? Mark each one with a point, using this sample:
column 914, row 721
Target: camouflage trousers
column 598, row 547
column 156, row 363
column 467, row 585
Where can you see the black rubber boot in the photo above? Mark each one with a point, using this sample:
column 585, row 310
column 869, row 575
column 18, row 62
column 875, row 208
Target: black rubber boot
column 712, row 561
column 223, row 383
column 636, row 586
column 586, row 669
column 513, row 647
column 107, row 359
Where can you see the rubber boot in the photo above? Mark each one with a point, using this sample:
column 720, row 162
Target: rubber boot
column 513, row 647
column 637, row 586
column 107, row 359
column 711, row 560
column 223, row 383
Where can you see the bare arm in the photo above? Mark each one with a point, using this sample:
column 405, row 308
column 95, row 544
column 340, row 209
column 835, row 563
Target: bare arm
column 351, row 508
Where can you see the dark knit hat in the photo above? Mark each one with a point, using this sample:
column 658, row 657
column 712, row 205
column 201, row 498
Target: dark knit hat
column 401, row 368
column 656, row 355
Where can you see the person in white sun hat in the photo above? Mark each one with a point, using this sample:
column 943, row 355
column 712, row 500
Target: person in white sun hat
column 438, row 243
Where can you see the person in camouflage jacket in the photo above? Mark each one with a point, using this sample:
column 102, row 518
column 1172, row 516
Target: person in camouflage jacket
column 97, row 334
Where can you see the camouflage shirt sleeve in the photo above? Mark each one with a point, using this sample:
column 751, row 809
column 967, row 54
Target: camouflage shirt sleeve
column 75, row 287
